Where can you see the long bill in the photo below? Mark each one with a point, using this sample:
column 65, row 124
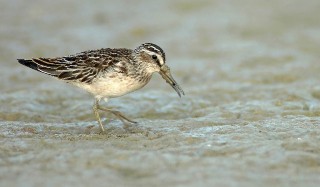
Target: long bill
column 166, row 75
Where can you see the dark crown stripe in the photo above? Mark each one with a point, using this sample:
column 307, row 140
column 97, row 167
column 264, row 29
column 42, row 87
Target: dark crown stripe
column 154, row 48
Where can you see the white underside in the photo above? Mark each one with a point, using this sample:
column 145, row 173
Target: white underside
column 107, row 87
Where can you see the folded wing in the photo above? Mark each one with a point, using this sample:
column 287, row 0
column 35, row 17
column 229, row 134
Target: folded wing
column 83, row 67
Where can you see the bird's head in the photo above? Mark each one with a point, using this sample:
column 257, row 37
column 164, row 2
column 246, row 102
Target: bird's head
column 153, row 58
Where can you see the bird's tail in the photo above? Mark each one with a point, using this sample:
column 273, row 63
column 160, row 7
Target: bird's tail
column 28, row 63
column 42, row 65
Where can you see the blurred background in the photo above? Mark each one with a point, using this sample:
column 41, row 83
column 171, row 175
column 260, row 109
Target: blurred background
column 250, row 70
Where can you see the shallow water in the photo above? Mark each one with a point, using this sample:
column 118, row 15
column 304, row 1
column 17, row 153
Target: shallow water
column 251, row 114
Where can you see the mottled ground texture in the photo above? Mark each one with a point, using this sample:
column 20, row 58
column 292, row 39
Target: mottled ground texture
column 251, row 115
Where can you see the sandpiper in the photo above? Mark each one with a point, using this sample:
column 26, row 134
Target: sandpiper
column 108, row 73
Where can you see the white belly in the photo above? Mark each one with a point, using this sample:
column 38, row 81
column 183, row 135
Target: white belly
column 112, row 86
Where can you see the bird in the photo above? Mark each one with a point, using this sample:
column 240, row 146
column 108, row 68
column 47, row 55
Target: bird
column 108, row 72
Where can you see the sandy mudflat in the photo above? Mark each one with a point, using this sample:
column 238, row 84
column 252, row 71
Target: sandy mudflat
column 250, row 117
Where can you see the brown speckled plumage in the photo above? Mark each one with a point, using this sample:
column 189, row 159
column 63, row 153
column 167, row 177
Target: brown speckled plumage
column 84, row 66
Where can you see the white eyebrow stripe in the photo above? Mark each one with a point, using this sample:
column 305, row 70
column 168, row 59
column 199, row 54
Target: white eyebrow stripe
column 161, row 60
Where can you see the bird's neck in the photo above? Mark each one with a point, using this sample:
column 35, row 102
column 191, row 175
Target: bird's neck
column 140, row 67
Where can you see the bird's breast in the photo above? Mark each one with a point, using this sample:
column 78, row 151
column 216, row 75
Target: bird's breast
column 114, row 85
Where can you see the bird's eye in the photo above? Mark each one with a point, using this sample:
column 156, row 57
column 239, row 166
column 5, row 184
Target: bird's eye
column 154, row 57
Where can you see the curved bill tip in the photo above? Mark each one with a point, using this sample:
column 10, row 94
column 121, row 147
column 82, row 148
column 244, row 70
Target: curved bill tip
column 166, row 75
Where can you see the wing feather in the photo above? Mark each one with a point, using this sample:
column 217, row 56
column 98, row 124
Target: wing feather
column 83, row 67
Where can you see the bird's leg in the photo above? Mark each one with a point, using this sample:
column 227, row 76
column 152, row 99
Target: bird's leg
column 96, row 113
column 118, row 114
